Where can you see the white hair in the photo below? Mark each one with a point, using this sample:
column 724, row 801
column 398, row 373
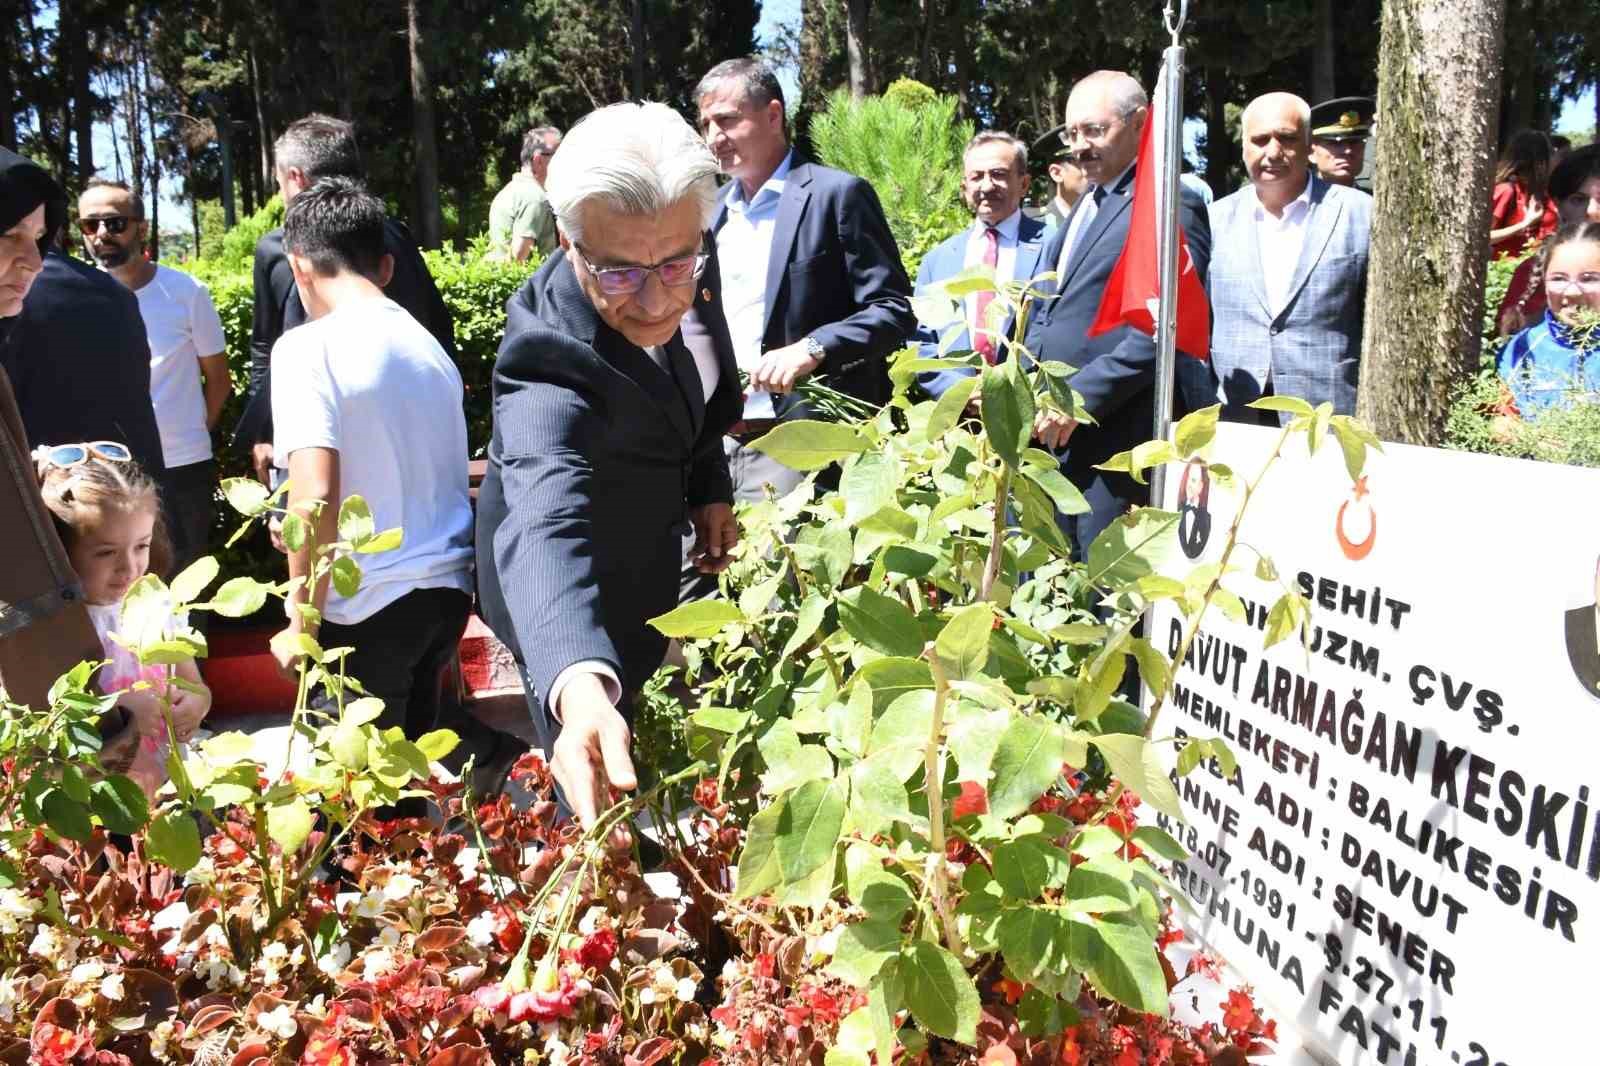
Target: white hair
column 638, row 159
column 1302, row 111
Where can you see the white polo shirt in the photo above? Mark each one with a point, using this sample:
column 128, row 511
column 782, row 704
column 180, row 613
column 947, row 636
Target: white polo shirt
column 182, row 325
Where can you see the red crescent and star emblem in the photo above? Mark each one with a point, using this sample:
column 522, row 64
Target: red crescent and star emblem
column 1355, row 550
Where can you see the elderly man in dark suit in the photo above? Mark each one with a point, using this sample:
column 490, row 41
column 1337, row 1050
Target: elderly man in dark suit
column 812, row 279
column 1106, row 113
column 607, row 437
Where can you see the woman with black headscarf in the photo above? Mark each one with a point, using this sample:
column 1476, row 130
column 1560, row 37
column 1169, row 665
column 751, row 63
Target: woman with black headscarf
column 44, row 629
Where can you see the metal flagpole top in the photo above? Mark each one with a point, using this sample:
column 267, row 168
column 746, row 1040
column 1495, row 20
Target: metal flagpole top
column 1175, row 21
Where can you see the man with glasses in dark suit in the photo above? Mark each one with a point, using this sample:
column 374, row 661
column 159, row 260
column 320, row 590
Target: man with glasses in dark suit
column 607, row 442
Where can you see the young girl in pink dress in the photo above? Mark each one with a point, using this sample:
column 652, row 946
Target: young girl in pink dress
column 108, row 513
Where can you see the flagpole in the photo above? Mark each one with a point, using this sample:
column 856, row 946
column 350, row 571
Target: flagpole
column 1171, row 105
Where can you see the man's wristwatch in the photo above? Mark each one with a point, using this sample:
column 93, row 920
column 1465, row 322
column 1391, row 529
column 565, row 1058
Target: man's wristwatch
column 815, row 350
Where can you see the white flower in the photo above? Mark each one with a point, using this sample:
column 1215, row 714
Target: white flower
column 481, row 930
column 203, row 872
column 591, row 920
column 46, row 944
column 400, row 887
column 467, row 863
column 158, row 1041
column 389, row 937
column 686, row 989
column 15, row 910
column 111, row 987
column 647, row 995
column 8, row 1001
column 275, row 951
column 279, row 1022
column 333, row 963
column 557, row 1051
column 85, row 972
column 170, row 917
column 370, row 905
column 824, row 946
column 376, row 963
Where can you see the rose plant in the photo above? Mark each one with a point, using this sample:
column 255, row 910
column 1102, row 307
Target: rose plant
column 912, row 689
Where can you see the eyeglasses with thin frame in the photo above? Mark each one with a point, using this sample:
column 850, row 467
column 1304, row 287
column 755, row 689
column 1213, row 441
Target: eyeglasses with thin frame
column 623, row 281
column 1092, row 131
column 114, row 224
column 67, row 456
column 1588, row 281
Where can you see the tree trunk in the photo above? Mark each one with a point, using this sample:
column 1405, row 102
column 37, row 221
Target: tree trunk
column 963, row 56
column 1438, row 84
column 429, row 222
column 856, row 13
column 74, row 42
column 1219, row 142
column 10, row 61
column 925, row 71
column 637, row 40
column 263, row 128
column 1322, row 86
column 155, row 151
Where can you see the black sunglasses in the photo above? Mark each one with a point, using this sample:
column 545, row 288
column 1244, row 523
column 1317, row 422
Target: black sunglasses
column 114, row 224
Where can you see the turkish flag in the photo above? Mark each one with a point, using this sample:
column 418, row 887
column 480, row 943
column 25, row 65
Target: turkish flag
column 1133, row 292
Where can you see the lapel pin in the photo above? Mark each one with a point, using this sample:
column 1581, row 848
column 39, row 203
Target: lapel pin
column 705, row 295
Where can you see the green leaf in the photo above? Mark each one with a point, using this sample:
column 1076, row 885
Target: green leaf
column 1190, row 756
column 1294, row 405
column 1008, row 409
column 900, row 734
column 758, row 862
column 1133, row 760
column 1102, row 677
column 187, row 586
column 355, row 521
column 245, row 495
column 1318, row 428
column 875, row 890
column 950, row 407
column 1036, row 942
column 348, row 746
column 809, row 829
column 805, row 444
column 1027, row 866
column 289, row 824
column 119, row 804
column 880, row 622
column 963, row 644
column 74, row 784
column 296, row 531
column 940, row 995
column 1101, row 885
column 66, row 816
column 697, row 620
column 934, row 310
column 387, row 541
column 1196, row 430
column 1063, row 493
column 863, row 948
column 1124, row 965
column 1027, row 761
column 812, row 610
column 1284, row 618
column 1160, row 843
column 174, row 840
column 1096, row 840
column 868, row 485
column 239, row 597
column 974, row 735
column 437, row 743
column 1132, row 546
column 1042, row 1015
column 893, row 677
column 346, row 576
column 878, row 796
column 1153, row 665
column 971, row 280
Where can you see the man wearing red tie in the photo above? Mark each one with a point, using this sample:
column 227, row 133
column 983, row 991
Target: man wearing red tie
column 993, row 181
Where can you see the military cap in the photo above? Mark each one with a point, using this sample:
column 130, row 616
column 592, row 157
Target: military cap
column 1346, row 118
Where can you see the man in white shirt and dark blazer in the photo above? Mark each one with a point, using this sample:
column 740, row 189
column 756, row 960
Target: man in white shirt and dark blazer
column 994, row 180
column 1288, row 272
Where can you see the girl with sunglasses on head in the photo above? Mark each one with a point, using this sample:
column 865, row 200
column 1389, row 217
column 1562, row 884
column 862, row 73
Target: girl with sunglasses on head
column 1550, row 364
column 108, row 513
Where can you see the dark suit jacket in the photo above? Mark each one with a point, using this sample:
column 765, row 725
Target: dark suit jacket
column 1580, row 632
column 1116, row 372
column 277, row 309
column 80, row 363
column 835, row 274
column 595, row 461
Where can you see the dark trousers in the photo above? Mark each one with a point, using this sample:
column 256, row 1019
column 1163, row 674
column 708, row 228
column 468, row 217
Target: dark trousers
column 401, row 654
column 191, row 493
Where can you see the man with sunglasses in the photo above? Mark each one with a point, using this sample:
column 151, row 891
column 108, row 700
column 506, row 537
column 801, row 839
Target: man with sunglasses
column 188, row 364
column 607, row 446
column 520, row 219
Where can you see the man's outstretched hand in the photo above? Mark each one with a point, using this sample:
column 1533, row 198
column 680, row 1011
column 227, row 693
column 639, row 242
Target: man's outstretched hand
column 591, row 754
column 715, row 533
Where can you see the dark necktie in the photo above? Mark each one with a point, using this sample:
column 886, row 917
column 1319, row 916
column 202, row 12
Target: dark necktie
column 680, row 364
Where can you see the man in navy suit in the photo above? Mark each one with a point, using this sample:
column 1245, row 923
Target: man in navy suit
column 994, row 179
column 1106, row 113
column 811, row 277
column 607, row 439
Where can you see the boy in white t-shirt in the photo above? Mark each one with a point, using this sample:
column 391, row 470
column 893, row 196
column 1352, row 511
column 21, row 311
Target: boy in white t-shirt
column 365, row 402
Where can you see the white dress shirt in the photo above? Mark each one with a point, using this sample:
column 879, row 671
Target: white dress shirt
column 1280, row 238
column 1005, row 263
column 1088, row 208
column 744, row 249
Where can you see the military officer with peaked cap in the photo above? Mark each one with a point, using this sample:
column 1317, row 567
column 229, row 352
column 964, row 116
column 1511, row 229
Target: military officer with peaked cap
column 1339, row 132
